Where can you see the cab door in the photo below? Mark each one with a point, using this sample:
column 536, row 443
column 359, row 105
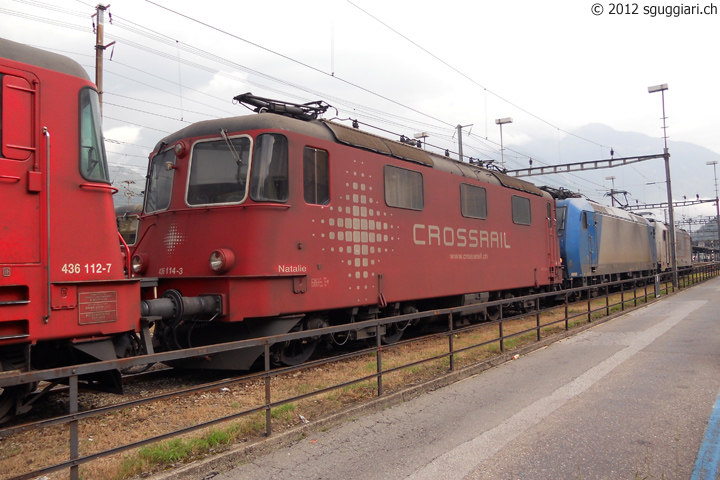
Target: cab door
column 588, row 221
column 21, row 180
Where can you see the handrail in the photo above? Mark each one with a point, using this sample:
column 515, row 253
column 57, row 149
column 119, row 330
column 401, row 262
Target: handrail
column 99, row 186
column 127, row 256
column 10, row 177
column 269, row 205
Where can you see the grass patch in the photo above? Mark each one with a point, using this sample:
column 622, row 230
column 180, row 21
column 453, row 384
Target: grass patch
column 283, row 412
column 181, row 450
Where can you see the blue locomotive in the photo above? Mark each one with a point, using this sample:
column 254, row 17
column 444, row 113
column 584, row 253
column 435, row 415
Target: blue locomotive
column 600, row 244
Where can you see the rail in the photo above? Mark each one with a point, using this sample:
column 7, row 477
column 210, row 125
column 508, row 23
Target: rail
column 632, row 293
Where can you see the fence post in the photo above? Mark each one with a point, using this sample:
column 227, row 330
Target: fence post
column 607, row 300
column 567, row 321
column 589, row 304
column 500, row 332
column 74, row 438
column 378, row 358
column 537, row 317
column 451, row 345
column 268, row 413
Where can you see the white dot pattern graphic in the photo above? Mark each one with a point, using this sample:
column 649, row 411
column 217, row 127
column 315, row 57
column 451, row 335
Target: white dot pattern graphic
column 361, row 230
column 174, row 238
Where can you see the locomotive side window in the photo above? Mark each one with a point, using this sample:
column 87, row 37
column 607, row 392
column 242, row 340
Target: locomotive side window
column 219, row 171
column 269, row 177
column 560, row 212
column 316, row 176
column 16, row 98
column 473, row 201
column 403, row 188
column 93, row 162
column 160, row 182
column 521, row 210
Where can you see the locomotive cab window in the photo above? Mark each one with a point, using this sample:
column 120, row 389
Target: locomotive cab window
column 403, row 188
column 160, row 182
column 473, row 201
column 93, row 162
column 269, row 177
column 219, row 171
column 316, row 176
column 560, row 212
column 521, row 210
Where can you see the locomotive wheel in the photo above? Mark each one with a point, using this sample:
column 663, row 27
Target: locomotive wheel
column 394, row 331
column 9, row 397
column 528, row 306
column 296, row 352
column 392, row 334
column 134, row 349
column 493, row 313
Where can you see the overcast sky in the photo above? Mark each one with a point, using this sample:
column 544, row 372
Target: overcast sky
column 404, row 66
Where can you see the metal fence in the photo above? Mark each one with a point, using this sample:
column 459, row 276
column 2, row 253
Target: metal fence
column 632, row 293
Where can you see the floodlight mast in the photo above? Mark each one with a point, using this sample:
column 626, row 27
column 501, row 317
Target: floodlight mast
column 717, row 204
column 666, row 155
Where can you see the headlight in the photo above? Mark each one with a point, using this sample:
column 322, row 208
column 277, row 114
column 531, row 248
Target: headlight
column 139, row 263
column 222, row 260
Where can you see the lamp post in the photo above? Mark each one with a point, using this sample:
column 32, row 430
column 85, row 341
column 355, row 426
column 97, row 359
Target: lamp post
column 612, row 190
column 717, row 203
column 666, row 154
column 501, row 122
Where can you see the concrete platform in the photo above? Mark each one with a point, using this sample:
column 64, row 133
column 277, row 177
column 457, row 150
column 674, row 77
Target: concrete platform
column 631, row 398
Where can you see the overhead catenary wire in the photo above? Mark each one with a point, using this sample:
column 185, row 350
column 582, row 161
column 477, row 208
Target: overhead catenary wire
column 399, row 122
column 485, row 89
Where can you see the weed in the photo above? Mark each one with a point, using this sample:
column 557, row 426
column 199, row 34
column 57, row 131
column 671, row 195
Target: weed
column 283, row 412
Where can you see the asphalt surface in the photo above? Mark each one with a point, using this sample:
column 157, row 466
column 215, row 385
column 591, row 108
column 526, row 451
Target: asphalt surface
column 631, row 398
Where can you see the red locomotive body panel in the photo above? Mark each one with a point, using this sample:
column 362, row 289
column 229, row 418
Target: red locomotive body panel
column 62, row 271
column 352, row 249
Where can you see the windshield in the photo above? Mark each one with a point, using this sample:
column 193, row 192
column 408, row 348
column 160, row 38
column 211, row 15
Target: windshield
column 219, row 171
column 93, row 163
column 160, row 181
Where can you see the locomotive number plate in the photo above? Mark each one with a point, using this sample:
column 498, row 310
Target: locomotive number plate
column 97, row 307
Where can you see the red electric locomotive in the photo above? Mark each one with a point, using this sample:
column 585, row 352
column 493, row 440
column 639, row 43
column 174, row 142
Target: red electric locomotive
column 276, row 222
column 64, row 296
